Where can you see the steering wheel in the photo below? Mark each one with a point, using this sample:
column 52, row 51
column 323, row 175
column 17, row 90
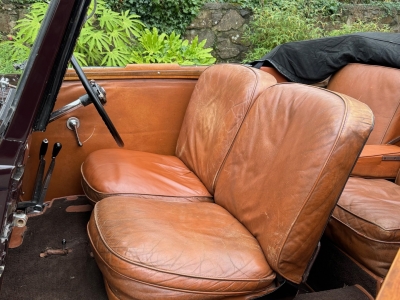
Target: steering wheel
column 96, row 102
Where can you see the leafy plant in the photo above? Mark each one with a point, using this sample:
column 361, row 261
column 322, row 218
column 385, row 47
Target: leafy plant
column 6, row 66
column 286, row 21
column 153, row 47
column 105, row 39
column 165, row 15
column 358, row 26
column 273, row 26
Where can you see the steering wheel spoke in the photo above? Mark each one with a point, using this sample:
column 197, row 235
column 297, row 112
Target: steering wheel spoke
column 96, row 102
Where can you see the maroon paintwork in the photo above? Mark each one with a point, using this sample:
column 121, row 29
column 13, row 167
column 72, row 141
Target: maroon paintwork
column 35, row 97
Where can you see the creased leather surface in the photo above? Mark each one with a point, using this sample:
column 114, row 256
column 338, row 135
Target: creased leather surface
column 219, row 103
column 371, row 165
column 109, row 172
column 378, row 87
column 366, row 222
column 182, row 250
column 288, row 166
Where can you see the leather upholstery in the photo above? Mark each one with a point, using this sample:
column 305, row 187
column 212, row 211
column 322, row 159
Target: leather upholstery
column 283, row 181
column 378, row 87
column 277, row 188
column 220, row 101
column 372, row 163
column 171, row 247
column 366, row 223
column 274, row 72
column 140, row 109
column 153, row 175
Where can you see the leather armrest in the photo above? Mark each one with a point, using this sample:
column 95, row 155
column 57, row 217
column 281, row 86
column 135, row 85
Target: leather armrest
column 378, row 161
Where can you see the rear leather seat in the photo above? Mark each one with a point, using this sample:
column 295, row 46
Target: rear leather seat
column 378, row 87
column 222, row 97
column 276, row 181
column 366, row 221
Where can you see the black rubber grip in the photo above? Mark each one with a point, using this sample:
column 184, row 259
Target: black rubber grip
column 43, row 148
column 56, row 149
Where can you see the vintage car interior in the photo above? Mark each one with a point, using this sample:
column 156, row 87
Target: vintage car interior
column 219, row 182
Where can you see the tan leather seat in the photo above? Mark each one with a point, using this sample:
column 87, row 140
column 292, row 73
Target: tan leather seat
column 275, row 192
column 378, row 87
column 221, row 99
column 366, row 223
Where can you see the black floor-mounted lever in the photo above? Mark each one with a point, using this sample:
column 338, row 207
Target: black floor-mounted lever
column 56, row 149
column 40, row 172
column 41, row 185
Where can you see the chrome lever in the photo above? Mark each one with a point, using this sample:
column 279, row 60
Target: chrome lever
column 73, row 124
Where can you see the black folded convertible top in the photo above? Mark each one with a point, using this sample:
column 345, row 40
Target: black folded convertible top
column 315, row 60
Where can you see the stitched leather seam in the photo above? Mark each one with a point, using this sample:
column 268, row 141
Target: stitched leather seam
column 362, row 235
column 183, row 290
column 367, row 221
column 391, row 119
column 323, row 170
column 106, row 195
column 252, row 101
column 175, row 289
column 101, row 196
column 166, row 271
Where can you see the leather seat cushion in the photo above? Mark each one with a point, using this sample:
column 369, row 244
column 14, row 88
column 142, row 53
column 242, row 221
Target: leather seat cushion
column 366, row 223
column 182, row 250
column 372, row 162
column 110, row 172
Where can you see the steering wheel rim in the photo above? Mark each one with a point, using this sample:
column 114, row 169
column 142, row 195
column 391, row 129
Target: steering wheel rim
column 96, row 102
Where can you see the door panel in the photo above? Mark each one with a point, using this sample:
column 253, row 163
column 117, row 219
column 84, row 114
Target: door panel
column 148, row 114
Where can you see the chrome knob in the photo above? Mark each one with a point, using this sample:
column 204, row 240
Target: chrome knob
column 73, row 124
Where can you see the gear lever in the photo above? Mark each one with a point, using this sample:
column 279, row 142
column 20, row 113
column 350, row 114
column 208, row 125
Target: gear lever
column 56, row 149
column 40, row 188
column 40, row 171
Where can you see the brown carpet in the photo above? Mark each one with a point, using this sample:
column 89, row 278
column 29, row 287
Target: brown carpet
column 73, row 276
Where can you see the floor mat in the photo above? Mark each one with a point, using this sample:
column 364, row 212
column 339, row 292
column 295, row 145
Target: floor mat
column 73, row 276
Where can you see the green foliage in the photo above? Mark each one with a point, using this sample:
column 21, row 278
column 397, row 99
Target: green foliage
column 165, row 15
column 358, row 26
column 109, row 39
column 309, row 8
column 105, row 39
column 153, row 47
column 6, row 66
column 24, row 2
column 273, row 26
column 285, row 21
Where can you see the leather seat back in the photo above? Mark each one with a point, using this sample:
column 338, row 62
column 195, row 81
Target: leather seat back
column 287, row 169
column 222, row 97
column 379, row 88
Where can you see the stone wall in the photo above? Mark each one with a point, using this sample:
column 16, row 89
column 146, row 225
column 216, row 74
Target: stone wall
column 369, row 13
column 222, row 25
column 9, row 15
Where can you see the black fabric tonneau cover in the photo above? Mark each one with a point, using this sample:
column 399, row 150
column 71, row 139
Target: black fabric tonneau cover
column 315, row 60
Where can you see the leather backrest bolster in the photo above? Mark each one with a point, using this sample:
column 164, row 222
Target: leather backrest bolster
column 379, row 88
column 288, row 166
column 219, row 103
